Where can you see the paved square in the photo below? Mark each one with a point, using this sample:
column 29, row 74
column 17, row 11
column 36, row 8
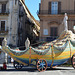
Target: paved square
column 33, row 71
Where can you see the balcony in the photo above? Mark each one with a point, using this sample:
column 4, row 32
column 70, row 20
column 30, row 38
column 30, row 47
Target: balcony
column 48, row 39
column 4, row 12
column 3, row 31
column 46, row 12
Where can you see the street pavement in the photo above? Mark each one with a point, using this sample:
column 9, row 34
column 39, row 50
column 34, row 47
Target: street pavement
column 33, row 71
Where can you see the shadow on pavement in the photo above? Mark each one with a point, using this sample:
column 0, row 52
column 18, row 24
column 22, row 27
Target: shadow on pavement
column 34, row 69
column 53, row 69
column 25, row 69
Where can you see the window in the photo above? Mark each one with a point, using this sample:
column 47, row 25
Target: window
column 1, row 39
column 53, row 31
column 54, row 7
column 15, row 2
column 2, row 25
column 3, row 8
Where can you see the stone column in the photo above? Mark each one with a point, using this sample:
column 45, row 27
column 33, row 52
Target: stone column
column 10, row 20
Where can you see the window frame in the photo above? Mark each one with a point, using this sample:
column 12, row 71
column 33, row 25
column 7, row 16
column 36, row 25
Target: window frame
column 54, row 11
column 53, row 34
column 0, row 24
column 3, row 10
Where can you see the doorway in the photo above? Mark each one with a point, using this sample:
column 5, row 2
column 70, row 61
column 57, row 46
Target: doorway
column 53, row 31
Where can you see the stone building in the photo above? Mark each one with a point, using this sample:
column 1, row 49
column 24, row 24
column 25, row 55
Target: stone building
column 30, row 28
column 9, row 20
column 15, row 24
column 51, row 14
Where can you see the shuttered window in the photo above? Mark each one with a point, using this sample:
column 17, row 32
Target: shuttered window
column 74, row 6
column 3, row 25
column 59, row 7
column 3, row 8
column 15, row 2
column 49, row 8
column 54, row 7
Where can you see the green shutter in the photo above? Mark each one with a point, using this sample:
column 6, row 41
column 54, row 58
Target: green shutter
column 49, row 8
column 59, row 7
column 74, row 7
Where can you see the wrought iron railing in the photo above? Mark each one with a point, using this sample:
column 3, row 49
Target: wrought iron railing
column 48, row 39
column 55, row 12
column 3, row 30
column 4, row 12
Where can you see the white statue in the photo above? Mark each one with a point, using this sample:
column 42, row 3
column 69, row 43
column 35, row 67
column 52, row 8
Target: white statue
column 65, row 22
column 27, row 43
column 4, row 42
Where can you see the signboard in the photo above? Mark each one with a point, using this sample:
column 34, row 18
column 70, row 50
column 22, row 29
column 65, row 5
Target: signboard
column 45, row 32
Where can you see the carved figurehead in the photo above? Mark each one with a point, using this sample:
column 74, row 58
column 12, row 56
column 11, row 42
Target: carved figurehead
column 65, row 22
column 27, row 43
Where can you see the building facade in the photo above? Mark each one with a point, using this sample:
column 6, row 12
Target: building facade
column 29, row 27
column 51, row 14
column 15, row 22
column 32, row 27
column 8, row 24
column 15, row 25
column 9, row 20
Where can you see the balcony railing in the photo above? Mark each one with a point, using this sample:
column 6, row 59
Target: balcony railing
column 48, row 39
column 3, row 30
column 4, row 12
column 55, row 12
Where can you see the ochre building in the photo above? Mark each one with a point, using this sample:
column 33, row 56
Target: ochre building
column 51, row 14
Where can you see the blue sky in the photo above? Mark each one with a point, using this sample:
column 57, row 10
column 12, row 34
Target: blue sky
column 33, row 6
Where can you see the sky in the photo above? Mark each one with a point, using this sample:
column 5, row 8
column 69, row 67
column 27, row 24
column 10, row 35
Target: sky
column 33, row 6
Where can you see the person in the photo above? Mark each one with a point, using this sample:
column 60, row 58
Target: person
column 65, row 22
column 1, row 68
column 12, row 60
column 4, row 66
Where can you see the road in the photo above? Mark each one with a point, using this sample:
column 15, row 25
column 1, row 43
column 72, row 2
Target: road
column 33, row 71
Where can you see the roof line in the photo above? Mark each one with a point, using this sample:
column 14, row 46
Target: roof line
column 30, row 13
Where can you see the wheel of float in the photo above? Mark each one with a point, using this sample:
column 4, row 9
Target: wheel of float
column 17, row 65
column 41, row 65
column 73, row 61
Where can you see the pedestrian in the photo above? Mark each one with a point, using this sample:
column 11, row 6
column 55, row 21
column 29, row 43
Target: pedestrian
column 4, row 66
column 1, row 68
